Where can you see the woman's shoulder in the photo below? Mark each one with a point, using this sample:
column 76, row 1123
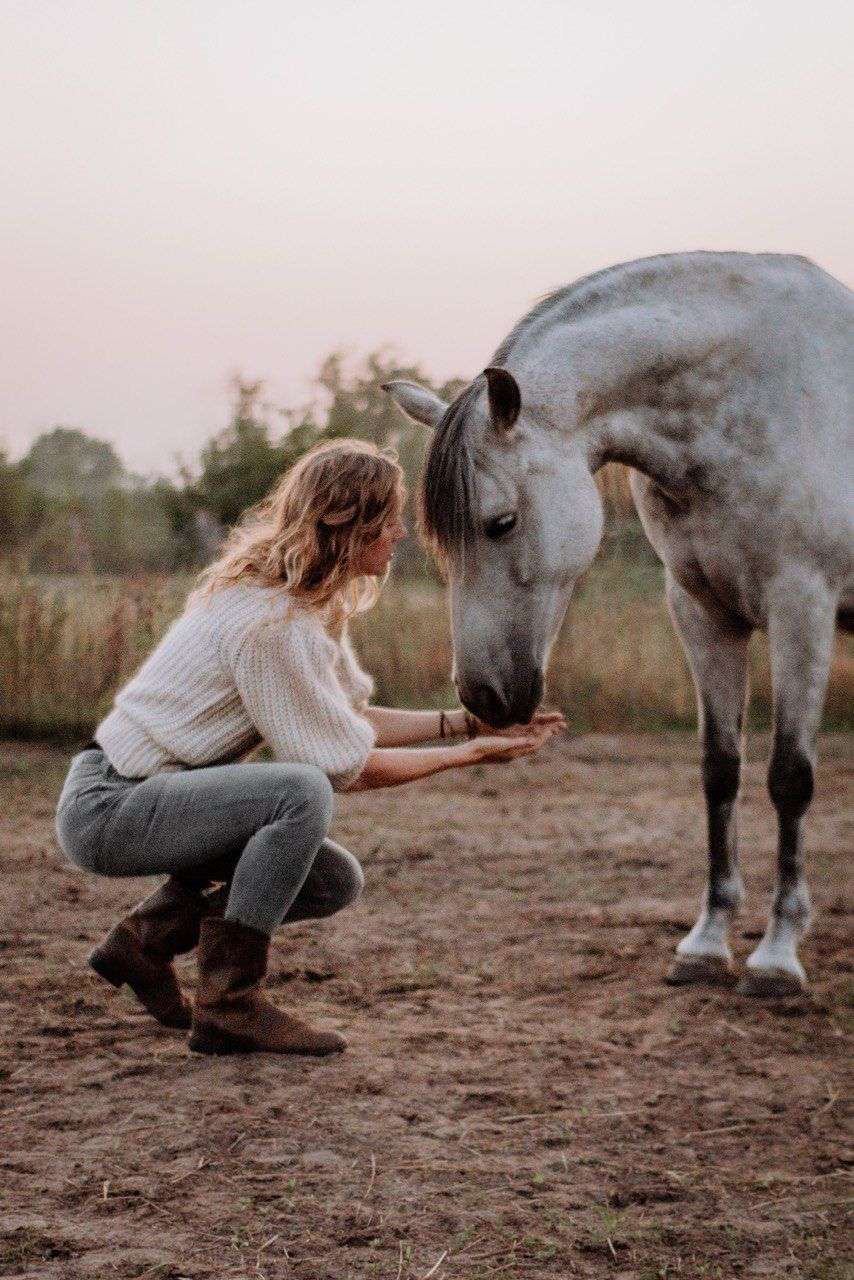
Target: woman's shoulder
column 246, row 600
column 250, row 612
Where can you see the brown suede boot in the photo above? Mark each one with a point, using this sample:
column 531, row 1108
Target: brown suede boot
column 139, row 949
column 231, row 1015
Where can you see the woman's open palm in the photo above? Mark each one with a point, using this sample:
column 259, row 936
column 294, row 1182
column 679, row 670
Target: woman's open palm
column 506, row 746
column 554, row 721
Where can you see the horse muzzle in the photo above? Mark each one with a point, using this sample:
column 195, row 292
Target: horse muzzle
column 500, row 704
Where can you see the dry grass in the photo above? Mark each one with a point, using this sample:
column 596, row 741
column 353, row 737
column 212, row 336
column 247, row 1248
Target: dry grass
column 66, row 645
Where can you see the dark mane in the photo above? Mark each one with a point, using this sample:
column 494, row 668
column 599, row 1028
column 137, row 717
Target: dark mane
column 447, row 500
column 448, row 495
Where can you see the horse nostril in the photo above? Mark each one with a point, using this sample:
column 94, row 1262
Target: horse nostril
column 488, row 704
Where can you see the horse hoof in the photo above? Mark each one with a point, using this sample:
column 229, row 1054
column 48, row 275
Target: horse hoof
column 688, row 970
column 770, row 982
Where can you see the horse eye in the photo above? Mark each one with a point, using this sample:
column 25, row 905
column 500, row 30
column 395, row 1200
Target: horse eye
column 499, row 525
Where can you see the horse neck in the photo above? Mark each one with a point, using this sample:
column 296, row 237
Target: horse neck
column 639, row 386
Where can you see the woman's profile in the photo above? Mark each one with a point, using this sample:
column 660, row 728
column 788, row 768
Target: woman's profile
column 260, row 652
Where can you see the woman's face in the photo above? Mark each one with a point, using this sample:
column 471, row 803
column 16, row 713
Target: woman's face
column 377, row 554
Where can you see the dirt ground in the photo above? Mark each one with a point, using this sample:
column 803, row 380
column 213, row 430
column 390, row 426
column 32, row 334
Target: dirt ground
column 522, row 1095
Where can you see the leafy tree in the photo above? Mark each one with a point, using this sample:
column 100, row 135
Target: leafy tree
column 10, row 502
column 22, row 507
column 130, row 531
column 242, row 463
column 66, row 463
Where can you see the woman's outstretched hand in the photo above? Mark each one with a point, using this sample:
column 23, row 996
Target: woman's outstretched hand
column 555, row 721
column 516, row 740
column 390, row 766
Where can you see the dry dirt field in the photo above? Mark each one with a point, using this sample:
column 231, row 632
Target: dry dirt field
column 522, row 1096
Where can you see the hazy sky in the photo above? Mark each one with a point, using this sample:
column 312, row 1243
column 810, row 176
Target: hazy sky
column 195, row 188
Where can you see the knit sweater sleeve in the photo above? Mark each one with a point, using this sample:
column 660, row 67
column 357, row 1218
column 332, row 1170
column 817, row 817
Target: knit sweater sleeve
column 286, row 679
column 358, row 685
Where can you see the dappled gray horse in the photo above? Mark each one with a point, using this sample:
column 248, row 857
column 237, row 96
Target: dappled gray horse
column 726, row 382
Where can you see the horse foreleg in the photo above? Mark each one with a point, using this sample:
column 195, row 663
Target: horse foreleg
column 800, row 632
column 717, row 655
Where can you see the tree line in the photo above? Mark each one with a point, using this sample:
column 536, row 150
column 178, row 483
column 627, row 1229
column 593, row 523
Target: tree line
column 71, row 506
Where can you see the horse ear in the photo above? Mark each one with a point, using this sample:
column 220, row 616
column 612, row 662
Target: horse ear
column 505, row 398
column 417, row 402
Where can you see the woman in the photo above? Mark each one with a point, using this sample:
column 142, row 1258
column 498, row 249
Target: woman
column 260, row 652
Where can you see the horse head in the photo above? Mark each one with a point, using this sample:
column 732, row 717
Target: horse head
column 509, row 507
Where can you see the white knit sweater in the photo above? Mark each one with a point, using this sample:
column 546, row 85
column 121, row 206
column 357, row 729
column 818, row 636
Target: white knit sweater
column 248, row 664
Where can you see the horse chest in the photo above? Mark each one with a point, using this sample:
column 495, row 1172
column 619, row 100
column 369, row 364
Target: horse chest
column 707, row 554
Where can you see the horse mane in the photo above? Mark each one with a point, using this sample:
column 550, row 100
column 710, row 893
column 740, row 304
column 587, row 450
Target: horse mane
column 610, row 284
column 548, row 302
column 448, row 493
column 582, row 295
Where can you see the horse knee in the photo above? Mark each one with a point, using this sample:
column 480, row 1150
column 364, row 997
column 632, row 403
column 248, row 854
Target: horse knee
column 721, row 776
column 791, row 779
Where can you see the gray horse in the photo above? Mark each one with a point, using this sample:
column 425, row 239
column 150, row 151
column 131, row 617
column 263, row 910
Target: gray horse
column 726, row 382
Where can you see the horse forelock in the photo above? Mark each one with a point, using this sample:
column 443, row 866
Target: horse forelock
column 448, row 496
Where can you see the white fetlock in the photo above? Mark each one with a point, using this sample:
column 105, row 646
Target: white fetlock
column 704, row 954
column 774, row 968
column 708, row 939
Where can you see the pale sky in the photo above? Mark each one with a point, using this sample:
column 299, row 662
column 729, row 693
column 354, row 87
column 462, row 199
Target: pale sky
column 196, row 187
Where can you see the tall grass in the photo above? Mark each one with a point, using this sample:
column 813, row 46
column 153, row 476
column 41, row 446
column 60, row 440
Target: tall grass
column 616, row 664
column 67, row 644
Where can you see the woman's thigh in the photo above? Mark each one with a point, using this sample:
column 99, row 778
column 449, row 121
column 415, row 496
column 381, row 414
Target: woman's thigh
column 176, row 821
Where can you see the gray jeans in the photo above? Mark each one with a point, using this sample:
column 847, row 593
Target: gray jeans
column 260, row 826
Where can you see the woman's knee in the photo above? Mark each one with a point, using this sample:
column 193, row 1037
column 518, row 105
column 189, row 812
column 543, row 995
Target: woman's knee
column 335, row 881
column 306, row 796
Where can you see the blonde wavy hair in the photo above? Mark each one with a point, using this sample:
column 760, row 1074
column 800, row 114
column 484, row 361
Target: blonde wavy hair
column 309, row 532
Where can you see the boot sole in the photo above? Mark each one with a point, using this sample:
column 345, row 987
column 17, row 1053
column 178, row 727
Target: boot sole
column 214, row 1043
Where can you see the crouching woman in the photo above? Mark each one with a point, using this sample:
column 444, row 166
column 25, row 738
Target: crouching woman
column 261, row 652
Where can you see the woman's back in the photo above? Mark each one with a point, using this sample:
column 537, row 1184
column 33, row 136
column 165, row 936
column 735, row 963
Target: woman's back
column 207, row 692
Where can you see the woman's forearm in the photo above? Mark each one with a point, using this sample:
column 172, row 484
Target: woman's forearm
column 390, row 766
column 399, row 727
